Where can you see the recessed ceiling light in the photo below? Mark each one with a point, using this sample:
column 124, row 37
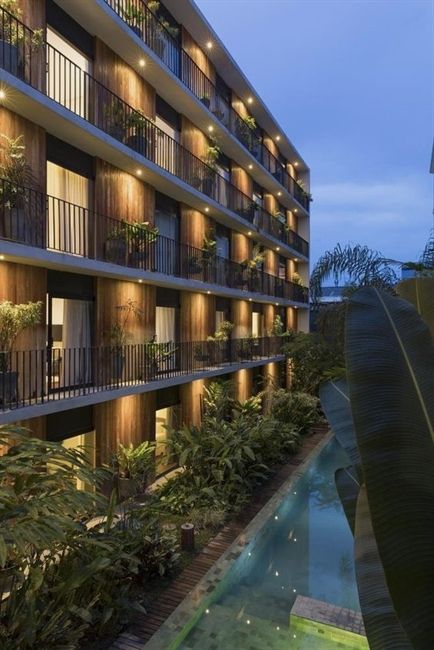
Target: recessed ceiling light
column 250, row 300
column 277, row 138
column 209, row 45
column 295, row 209
column 279, row 193
column 2, row 257
column 277, row 304
column 142, row 63
column 2, row 95
column 277, row 248
column 250, row 166
column 249, row 233
column 295, row 259
column 210, row 128
column 206, row 209
column 250, row 100
column 140, row 281
column 208, row 292
column 296, row 164
column 139, row 172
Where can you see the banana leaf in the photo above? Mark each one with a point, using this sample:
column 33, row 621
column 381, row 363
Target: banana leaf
column 420, row 292
column 383, row 629
column 336, row 405
column 390, row 371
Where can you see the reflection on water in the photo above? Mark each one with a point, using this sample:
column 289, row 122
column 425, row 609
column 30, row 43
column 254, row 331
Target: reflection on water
column 305, row 548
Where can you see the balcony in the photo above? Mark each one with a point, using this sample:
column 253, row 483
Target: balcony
column 50, row 72
column 156, row 36
column 36, row 219
column 35, row 377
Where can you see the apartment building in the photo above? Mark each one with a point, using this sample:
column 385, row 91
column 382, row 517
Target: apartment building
column 147, row 196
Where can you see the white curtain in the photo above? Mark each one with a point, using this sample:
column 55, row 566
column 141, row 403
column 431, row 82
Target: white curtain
column 165, row 331
column 68, row 217
column 76, row 339
column 67, row 82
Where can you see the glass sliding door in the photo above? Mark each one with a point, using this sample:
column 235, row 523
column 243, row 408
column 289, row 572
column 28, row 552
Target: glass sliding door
column 68, row 210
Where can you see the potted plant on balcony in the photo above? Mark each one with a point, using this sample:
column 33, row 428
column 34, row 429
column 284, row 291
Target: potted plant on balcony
column 14, row 41
column 115, row 114
column 136, row 123
column 14, row 319
column 134, row 17
column 221, row 336
column 246, row 348
column 209, row 252
column 253, row 265
column 118, row 336
column 134, row 468
column 156, row 354
column 116, row 244
column 15, row 191
column 140, row 238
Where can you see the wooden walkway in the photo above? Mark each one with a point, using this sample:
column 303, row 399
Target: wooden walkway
column 145, row 625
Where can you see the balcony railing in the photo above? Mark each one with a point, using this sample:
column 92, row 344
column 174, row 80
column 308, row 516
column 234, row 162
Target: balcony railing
column 30, row 217
column 32, row 377
column 49, row 71
column 155, row 35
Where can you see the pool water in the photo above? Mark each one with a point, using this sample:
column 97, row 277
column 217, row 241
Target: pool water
column 305, row 548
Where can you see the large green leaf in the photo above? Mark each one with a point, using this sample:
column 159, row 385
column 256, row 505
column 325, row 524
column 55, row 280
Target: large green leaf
column 347, row 486
column 335, row 402
column 390, row 370
column 420, row 292
column 383, row 629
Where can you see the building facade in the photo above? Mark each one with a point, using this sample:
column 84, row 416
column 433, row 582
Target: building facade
column 147, row 196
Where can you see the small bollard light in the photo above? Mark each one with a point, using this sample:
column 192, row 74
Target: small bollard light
column 187, row 537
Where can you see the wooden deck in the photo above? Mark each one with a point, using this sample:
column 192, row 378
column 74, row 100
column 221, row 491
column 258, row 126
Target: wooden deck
column 146, row 625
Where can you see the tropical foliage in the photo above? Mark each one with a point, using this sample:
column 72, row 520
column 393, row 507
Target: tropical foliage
column 384, row 416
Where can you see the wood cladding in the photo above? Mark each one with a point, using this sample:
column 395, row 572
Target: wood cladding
column 269, row 312
column 241, row 247
column 271, row 262
column 194, row 226
column 191, row 401
column 111, row 295
column 241, row 179
column 124, row 81
column 37, row 426
column 198, row 55
column 126, row 420
column 13, row 125
column 291, row 318
column 197, row 316
column 241, row 316
column 243, row 382
column 121, row 195
column 194, row 139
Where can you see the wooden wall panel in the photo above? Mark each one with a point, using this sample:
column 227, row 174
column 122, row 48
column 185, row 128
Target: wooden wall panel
column 194, row 139
column 121, row 195
column 198, row 55
column 34, row 13
column 271, row 374
column 271, row 145
column 36, row 426
column 110, row 295
column 14, row 125
column 270, row 203
column 291, row 318
column 191, row 401
column 241, row 316
column 243, row 382
column 241, row 247
column 269, row 316
column 241, row 179
column 271, row 262
column 123, row 80
column 194, row 226
column 124, row 420
column 197, row 316
column 239, row 105
column 292, row 220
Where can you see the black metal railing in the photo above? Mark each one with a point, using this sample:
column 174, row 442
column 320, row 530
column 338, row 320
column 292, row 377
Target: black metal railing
column 30, row 217
column 38, row 376
column 48, row 70
column 155, row 35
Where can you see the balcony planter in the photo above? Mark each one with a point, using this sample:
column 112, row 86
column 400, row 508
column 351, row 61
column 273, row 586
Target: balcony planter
column 116, row 250
column 8, row 387
column 10, row 59
column 138, row 143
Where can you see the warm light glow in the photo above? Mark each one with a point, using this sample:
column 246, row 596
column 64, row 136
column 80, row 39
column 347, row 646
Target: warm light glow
column 250, row 233
column 250, row 100
column 139, row 172
column 210, row 128
column 142, row 63
column 250, row 300
column 206, row 209
column 208, row 292
column 140, row 281
column 250, row 166
column 2, row 94
column 296, row 164
column 295, row 260
column 209, row 45
column 248, row 622
column 277, row 628
column 279, row 193
column 2, row 257
column 277, row 304
column 207, row 611
column 277, row 248
column 295, row 209
column 277, row 138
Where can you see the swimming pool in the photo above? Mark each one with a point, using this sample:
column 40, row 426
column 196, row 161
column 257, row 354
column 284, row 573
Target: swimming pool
column 304, row 549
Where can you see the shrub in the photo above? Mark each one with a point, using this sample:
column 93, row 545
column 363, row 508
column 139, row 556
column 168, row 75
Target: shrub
column 297, row 409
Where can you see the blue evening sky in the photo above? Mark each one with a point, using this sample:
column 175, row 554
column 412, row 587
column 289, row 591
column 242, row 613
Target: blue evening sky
column 352, row 84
